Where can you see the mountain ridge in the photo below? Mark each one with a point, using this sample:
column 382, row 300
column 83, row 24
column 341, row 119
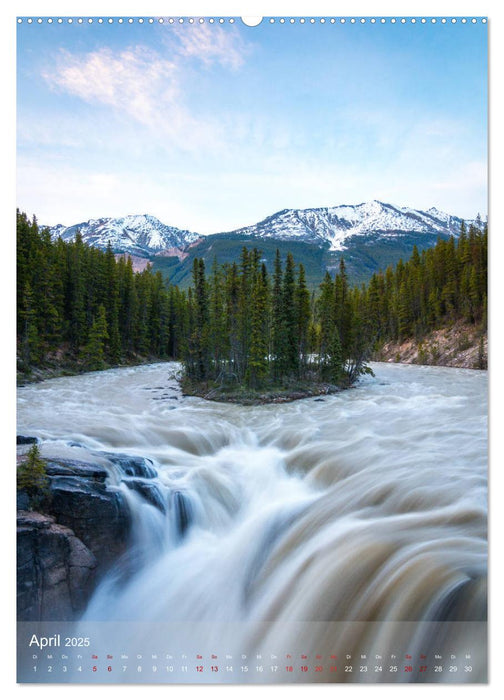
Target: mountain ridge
column 370, row 235
column 145, row 235
column 337, row 224
column 141, row 235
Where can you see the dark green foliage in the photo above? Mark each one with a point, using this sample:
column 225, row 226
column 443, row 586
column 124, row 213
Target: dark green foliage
column 303, row 319
column 257, row 366
column 217, row 311
column 439, row 286
column 276, row 319
column 198, row 355
column 29, row 340
column 228, row 250
column 94, row 350
column 31, row 477
column 368, row 255
column 78, row 306
column 265, row 333
column 290, row 359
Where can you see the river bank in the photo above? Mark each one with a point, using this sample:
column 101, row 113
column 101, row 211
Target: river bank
column 460, row 345
column 55, row 368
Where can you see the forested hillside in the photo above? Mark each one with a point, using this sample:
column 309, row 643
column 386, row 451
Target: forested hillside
column 440, row 286
column 79, row 307
column 237, row 325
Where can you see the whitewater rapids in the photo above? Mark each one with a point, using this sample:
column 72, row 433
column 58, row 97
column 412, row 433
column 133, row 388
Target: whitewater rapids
column 357, row 521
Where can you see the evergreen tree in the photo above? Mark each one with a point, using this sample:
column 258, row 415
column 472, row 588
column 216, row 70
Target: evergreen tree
column 290, row 363
column 112, row 306
column 232, row 292
column 303, row 315
column 342, row 308
column 327, row 325
column 199, row 340
column 30, row 347
column 277, row 327
column 128, row 306
column 219, row 341
column 257, row 366
column 335, row 362
column 31, row 477
column 75, row 293
column 94, row 350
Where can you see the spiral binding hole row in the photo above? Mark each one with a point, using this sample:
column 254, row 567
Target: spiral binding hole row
column 232, row 20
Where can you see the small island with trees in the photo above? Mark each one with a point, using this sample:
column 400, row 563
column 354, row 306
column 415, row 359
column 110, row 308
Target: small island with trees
column 253, row 339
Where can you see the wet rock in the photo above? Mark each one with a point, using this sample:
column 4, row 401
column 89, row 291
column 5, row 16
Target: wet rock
column 25, row 440
column 22, row 500
column 98, row 515
column 71, row 467
column 183, row 510
column 55, row 570
column 131, row 465
column 149, row 491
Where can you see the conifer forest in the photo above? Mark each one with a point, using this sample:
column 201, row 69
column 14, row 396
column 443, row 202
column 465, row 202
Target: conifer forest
column 237, row 325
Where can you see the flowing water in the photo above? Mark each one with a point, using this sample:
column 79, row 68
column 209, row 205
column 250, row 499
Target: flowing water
column 349, row 522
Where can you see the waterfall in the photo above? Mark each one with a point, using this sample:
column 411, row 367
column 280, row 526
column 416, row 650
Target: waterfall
column 353, row 523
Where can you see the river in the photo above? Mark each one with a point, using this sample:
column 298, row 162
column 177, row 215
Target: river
column 354, row 522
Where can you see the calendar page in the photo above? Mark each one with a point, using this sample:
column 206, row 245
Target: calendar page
column 252, row 349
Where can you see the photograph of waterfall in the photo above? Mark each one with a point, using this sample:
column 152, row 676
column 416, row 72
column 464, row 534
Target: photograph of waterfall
column 252, row 352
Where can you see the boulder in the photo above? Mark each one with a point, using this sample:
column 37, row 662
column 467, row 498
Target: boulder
column 73, row 467
column 132, row 465
column 150, row 492
column 25, row 440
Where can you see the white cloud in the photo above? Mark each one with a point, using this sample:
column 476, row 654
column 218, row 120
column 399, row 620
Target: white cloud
column 148, row 87
column 112, row 78
column 211, row 43
column 135, row 81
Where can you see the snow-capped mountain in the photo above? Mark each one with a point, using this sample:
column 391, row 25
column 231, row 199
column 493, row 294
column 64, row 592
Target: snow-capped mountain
column 358, row 230
column 337, row 225
column 141, row 235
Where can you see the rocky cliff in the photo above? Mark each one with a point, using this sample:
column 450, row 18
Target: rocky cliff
column 62, row 552
column 55, row 570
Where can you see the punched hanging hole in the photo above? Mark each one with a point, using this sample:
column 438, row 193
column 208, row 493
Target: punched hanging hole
column 252, row 21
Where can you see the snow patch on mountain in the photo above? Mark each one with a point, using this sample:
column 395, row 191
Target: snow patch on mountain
column 138, row 234
column 337, row 225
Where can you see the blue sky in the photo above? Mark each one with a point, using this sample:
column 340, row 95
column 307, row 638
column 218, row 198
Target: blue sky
column 214, row 126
